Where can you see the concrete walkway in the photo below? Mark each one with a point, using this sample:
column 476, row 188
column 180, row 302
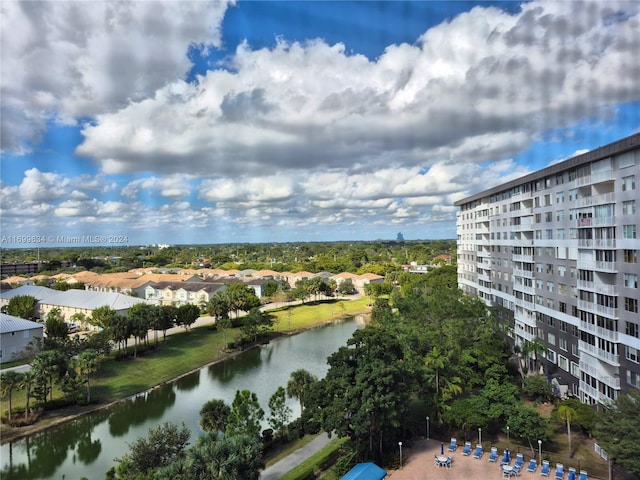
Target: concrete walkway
column 277, row 470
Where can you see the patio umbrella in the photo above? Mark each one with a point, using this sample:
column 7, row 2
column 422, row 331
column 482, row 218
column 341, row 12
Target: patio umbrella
column 507, row 455
column 441, row 448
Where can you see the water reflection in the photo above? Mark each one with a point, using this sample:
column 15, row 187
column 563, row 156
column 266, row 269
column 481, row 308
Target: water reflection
column 143, row 407
column 88, row 445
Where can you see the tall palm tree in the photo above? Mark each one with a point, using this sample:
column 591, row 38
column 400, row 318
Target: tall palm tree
column 299, row 384
column 87, row 363
column 568, row 414
column 9, row 381
column 435, row 361
column 28, row 378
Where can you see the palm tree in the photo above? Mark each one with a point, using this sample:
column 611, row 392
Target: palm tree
column 213, row 416
column 299, row 384
column 224, row 458
column 568, row 414
column 435, row 361
column 28, row 378
column 87, row 363
column 9, row 381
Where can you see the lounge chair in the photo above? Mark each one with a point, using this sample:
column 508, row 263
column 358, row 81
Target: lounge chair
column 467, row 449
column 533, row 464
column 559, row 471
column 449, row 461
column 478, row 453
column 545, row 468
column 493, row 456
column 453, row 445
column 572, row 474
column 506, row 458
column 519, row 461
column 583, row 475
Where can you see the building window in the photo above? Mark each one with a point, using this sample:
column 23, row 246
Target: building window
column 563, row 363
column 630, row 256
column 633, row 378
column 549, row 234
column 575, row 369
column 629, row 231
column 629, row 207
column 560, row 197
column 562, row 343
column 631, row 329
column 551, row 338
column 551, row 356
column 630, row 280
column 632, row 354
column 629, row 183
column 562, row 307
column 631, row 305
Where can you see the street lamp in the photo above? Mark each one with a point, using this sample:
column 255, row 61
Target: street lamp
column 427, row 428
column 400, row 445
column 480, row 436
column 508, row 442
column 540, row 450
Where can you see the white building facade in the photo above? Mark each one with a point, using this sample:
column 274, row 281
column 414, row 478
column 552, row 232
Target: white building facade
column 558, row 250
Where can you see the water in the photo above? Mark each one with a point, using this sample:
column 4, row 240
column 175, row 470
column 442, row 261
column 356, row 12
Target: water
column 87, row 446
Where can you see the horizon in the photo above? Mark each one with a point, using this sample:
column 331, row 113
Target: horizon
column 212, row 123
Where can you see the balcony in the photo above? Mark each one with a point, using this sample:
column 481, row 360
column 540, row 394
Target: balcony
column 610, row 335
column 594, row 393
column 596, row 200
column 522, row 258
column 524, row 304
column 522, row 273
column 602, row 288
column 613, row 382
column 609, row 267
column 594, row 351
column 597, row 177
column 609, row 312
column 525, row 289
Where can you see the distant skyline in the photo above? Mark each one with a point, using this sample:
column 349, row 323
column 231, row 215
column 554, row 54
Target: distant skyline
column 185, row 122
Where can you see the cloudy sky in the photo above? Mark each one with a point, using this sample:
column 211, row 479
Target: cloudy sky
column 214, row 122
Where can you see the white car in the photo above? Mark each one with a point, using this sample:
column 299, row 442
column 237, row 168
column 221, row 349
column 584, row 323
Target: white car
column 72, row 327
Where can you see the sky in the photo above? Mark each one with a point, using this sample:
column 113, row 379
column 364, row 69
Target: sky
column 185, row 122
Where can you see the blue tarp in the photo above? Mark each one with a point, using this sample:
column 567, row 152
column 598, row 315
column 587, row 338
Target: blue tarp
column 365, row 471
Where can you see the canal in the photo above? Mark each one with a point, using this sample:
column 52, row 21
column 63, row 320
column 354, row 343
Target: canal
column 87, row 446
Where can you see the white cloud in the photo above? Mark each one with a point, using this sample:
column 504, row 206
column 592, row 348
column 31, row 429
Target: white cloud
column 99, row 56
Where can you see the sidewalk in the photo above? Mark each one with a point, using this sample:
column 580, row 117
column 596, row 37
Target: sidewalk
column 277, row 470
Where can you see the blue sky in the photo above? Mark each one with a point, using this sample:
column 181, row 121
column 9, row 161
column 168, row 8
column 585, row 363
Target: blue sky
column 214, row 122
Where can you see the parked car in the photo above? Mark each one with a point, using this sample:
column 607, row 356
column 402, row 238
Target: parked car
column 72, row 327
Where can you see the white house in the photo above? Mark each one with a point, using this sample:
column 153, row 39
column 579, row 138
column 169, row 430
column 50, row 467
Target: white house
column 15, row 335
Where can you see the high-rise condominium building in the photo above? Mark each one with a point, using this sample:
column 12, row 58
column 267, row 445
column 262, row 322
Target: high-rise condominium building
column 558, row 250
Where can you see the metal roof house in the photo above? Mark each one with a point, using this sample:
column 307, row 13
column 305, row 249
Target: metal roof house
column 15, row 335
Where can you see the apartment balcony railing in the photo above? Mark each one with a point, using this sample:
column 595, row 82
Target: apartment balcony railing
column 594, row 393
column 602, row 288
column 592, row 350
column 598, row 265
column 524, row 304
column 522, row 242
column 524, row 288
column 613, row 382
column 484, row 277
column 598, row 309
column 596, row 200
column 521, row 195
column 522, row 273
column 610, row 335
column 597, row 177
column 522, row 258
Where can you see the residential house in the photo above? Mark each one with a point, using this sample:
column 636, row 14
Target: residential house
column 15, row 334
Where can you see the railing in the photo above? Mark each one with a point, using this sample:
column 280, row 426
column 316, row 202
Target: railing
column 598, row 309
column 596, row 200
column 522, row 258
column 599, row 353
column 602, row 288
column 613, row 382
column 522, row 273
column 599, row 331
column 524, row 304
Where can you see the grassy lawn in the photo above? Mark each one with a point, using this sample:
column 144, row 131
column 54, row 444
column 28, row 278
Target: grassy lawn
column 316, row 462
column 188, row 351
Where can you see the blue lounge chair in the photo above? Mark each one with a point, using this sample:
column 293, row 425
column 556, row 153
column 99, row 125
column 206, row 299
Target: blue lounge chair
column 493, row 456
column 533, row 464
column 478, row 453
column 572, row 474
column 583, row 475
column 467, row 449
column 559, row 471
column 519, row 461
column 545, row 468
column 453, row 445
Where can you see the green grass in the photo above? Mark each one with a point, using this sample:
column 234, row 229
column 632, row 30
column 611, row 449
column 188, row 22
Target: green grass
column 316, row 462
column 306, row 315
